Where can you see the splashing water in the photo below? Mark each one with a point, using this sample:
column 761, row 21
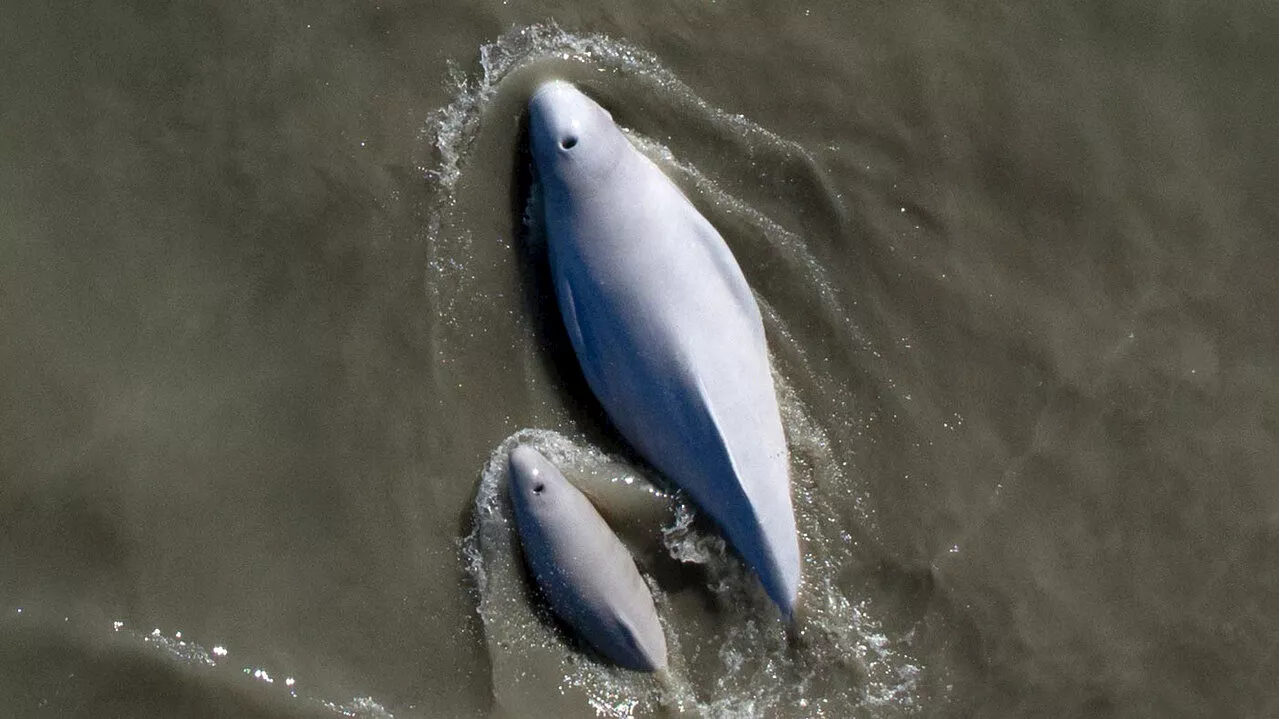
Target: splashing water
column 744, row 668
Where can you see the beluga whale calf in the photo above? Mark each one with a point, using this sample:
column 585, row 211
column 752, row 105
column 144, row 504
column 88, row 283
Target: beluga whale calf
column 666, row 329
column 584, row 570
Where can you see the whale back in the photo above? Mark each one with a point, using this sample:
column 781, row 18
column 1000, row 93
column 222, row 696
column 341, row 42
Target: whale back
column 668, row 334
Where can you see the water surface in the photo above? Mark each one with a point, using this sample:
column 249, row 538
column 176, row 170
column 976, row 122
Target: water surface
column 274, row 304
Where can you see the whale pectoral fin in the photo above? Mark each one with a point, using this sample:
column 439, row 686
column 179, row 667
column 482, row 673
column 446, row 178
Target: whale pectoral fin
column 570, row 315
column 584, row 342
column 718, row 444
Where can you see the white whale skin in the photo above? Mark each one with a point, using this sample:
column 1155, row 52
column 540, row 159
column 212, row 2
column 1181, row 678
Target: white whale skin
column 666, row 329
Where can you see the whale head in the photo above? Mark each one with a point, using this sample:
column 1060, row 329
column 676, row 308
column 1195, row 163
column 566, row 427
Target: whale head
column 575, row 143
column 537, row 487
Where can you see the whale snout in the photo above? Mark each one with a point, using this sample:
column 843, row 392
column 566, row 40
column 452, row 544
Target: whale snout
column 557, row 113
column 526, row 466
column 556, row 101
column 551, row 90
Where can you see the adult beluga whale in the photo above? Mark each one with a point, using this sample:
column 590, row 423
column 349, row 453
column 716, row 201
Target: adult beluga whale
column 585, row 572
column 666, row 329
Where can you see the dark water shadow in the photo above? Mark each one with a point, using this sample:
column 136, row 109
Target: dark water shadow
column 538, row 294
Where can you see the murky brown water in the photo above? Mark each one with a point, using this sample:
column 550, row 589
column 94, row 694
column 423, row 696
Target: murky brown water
column 271, row 306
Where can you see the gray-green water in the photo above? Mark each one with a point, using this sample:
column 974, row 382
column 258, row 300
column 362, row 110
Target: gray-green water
column 270, row 305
